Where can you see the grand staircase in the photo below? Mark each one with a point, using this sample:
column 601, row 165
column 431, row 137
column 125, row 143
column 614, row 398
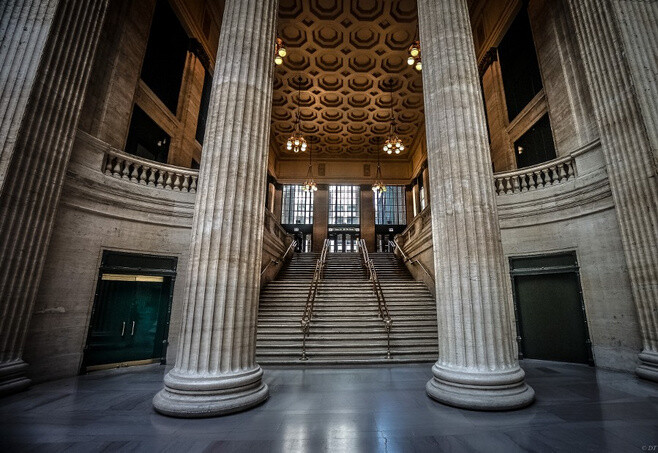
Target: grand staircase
column 346, row 328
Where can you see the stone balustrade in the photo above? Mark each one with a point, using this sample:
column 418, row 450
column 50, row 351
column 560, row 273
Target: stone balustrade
column 547, row 174
column 149, row 173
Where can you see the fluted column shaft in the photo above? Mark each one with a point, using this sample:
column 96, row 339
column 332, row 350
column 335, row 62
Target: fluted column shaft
column 216, row 371
column 631, row 164
column 24, row 27
column 477, row 366
column 36, row 166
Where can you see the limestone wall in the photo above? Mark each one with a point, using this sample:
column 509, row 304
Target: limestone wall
column 578, row 215
column 101, row 212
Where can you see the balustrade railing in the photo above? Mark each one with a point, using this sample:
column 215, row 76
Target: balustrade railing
column 318, row 275
column 537, row 177
column 384, row 314
column 149, row 173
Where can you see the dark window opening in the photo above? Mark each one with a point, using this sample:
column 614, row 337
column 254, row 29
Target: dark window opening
column 166, row 51
column 519, row 66
column 203, row 108
column 146, row 139
column 536, row 145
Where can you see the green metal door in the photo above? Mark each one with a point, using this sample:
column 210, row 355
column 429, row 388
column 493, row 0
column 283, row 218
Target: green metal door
column 130, row 318
column 550, row 312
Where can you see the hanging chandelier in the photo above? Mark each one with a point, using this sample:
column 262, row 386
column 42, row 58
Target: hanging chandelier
column 279, row 51
column 414, row 56
column 297, row 142
column 379, row 187
column 393, row 143
column 309, row 185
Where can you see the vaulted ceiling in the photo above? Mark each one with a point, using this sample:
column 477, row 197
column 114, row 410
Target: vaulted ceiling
column 345, row 52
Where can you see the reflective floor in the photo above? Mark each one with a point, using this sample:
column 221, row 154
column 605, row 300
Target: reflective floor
column 578, row 408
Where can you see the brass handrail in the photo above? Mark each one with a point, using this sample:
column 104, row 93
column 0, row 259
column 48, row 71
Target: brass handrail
column 406, row 259
column 292, row 246
column 318, row 275
column 384, row 314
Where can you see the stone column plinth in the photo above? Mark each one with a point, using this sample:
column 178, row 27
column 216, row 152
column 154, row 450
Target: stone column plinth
column 215, row 371
column 631, row 163
column 477, row 366
column 320, row 217
column 39, row 114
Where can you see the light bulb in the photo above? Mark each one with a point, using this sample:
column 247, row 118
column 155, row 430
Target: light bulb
column 397, row 151
column 419, row 66
column 389, row 151
column 303, row 146
column 282, row 52
column 278, row 60
column 401, row 147
column 397, row 145
column 413, row 52
column 410, row 61
column 296, row 142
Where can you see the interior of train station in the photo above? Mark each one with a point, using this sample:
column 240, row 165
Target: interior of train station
column 329, row 225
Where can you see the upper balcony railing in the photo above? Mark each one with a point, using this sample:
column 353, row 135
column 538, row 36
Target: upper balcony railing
column 536, row 177
column 149, row 173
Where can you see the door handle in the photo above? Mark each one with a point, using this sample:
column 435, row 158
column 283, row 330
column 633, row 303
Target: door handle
column 132, row 332
column 123, row 328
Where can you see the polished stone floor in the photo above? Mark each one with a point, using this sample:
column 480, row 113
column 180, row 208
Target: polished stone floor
column 578, row 408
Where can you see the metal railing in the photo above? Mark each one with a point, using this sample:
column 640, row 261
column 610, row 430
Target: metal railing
column 406, row 259
column 384, row 314
column 318, row 275
column 292, row 246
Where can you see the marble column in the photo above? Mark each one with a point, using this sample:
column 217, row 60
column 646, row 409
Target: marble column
column 35, row 155
column 631, row 164
column 368, row 217
column 276, row 204
column 477, row 366
column 320, row 217
column 216, row 371
column 426, row 184
column 409, row 201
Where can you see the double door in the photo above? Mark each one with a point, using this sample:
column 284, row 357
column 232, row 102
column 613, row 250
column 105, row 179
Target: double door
column 129, row 319
column 343, row 241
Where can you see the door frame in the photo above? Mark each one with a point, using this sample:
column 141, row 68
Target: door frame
column 574, row 268
column 168, row 269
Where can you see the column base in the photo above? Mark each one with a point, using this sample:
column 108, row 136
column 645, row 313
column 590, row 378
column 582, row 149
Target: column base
column 483, row 391
column 12, row 377
column 648, row 367
column 197, row 395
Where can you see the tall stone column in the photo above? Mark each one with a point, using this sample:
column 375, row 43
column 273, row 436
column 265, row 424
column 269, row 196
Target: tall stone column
column 320, row 217
column 367, row 219
column 215, row 371
column 632, row 166
column 477, row 366
column 409, row 202
column 33, row 167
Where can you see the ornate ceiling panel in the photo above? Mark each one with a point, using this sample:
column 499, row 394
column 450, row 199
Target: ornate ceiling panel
column 344, row 53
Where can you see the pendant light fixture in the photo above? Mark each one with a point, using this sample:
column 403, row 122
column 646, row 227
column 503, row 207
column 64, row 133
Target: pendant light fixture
column 414, row 56
column 379, row 187
column 279, row 51
column 393, row 144
column 296, row 142
column 309, row 185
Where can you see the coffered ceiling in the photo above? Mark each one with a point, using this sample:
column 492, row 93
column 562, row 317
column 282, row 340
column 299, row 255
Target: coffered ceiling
column 346, row 51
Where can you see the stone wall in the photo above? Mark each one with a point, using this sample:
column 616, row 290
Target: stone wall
column 102, row 212
column 578, row 215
